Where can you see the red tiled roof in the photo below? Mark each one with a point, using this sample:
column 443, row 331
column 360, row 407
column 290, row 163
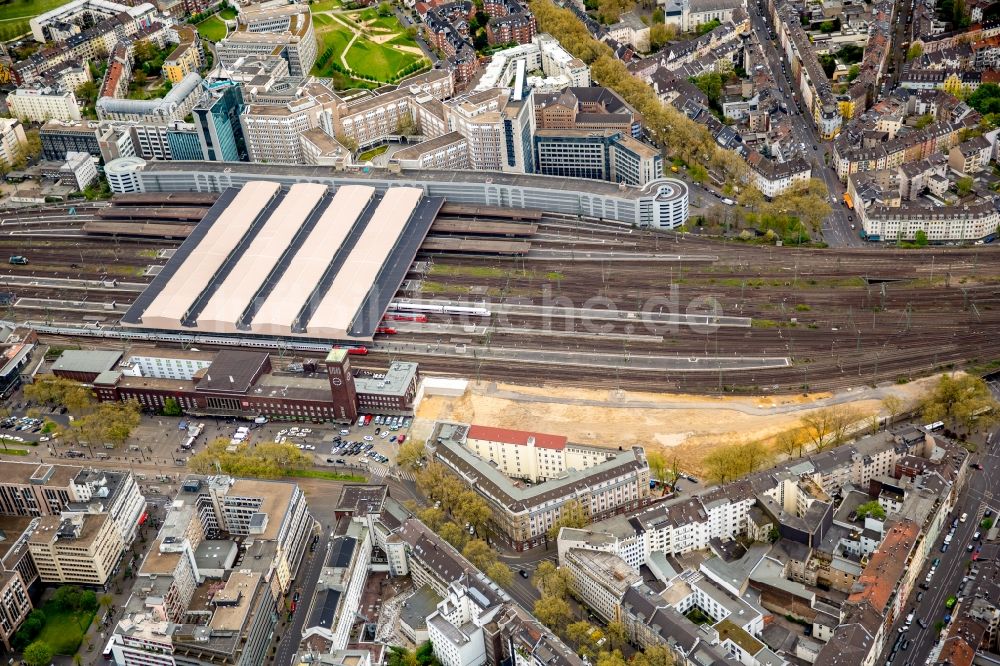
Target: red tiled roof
column 886, row 566
column 990, row 76
column 957, row 652
column 518, row 437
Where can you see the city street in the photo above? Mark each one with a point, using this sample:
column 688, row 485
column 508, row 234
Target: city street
column 974, row 500
column 837, row 230
column 305, row 583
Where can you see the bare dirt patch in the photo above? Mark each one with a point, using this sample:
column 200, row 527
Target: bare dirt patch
column 688, row 426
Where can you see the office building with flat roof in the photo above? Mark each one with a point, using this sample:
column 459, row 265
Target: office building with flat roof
column 286, row 31
column 192, row 602
column 220, row 132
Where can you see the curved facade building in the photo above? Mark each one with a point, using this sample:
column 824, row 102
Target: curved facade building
column 123, row 174
column 661, row 204
column 175, row 105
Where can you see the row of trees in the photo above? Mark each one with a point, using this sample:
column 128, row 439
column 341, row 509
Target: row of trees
column 105, row 422
column 600, row 646
column 460, row 507
column 265, row 460
column 679, row 134
column 965, row 401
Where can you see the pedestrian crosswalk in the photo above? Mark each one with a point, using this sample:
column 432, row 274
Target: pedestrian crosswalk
column 378, row 472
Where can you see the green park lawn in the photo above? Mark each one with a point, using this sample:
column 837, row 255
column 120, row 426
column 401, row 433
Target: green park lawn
column 228, row 13
column 377, row 60
column 322, row 19
column 15, row 14
column 212, row 29
column 325, row 6
column 388, row 23
column 64, row 630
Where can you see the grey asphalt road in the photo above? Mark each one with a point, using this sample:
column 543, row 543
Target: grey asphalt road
column 289, row 635
column 837, row 230
column 974, row 500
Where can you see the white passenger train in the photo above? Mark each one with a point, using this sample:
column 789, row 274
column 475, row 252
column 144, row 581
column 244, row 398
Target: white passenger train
column 439, row 308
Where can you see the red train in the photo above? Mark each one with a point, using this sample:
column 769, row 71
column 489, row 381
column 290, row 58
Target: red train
column 387, row 330
column 360, row 350
column 407, row 317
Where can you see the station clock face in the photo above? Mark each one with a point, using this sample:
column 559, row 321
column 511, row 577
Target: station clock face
column 336, row 381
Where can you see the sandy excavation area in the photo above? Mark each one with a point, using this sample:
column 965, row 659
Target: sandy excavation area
column 686, row 426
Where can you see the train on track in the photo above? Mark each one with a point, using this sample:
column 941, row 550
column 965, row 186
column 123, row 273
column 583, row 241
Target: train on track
column 419, row 318
column 118, row 333
column 438, row 308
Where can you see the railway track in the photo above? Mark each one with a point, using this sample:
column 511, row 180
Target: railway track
column 827, row 310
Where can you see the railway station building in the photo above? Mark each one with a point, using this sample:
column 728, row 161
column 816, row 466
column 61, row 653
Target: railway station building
column 302, row 261
column 245, row 384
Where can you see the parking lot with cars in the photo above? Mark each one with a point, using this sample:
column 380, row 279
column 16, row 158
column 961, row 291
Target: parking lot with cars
column 372, row 438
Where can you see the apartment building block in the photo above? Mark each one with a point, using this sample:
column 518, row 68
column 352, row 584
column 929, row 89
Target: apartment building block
column 522, row 516
column 12, row 140
column 43, row 103
column 15, row 605
column 187, row 57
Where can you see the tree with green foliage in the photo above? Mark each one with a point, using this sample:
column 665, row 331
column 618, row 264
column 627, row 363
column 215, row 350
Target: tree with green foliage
column 915, row 51
column 964, row 400
column 500, row 574
column 29, row 630
column 611, row 659
column 657, row 466
column 571, row 514
column 473, row 509
column 554, row 612
column 110, row 422
column 920, row 238
column 710, row 83
column 410, row 453
column 826, row 27
column 171, row 407
column 986, row 99
column 610, row 11
column 829, row 64
column 963, row 185
column 479, row 553
column 892, row 405
column 58, row 391
column 583, row 636
column 923, row 121
column 551, row 580
column 38, row 653
column 661, row 34
column 873, row 509
column 453, row 534
column 850, row 53
column 732, row 461
column 425, row 655
column 708, row 26
column 266, row 460
column 400, row 656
